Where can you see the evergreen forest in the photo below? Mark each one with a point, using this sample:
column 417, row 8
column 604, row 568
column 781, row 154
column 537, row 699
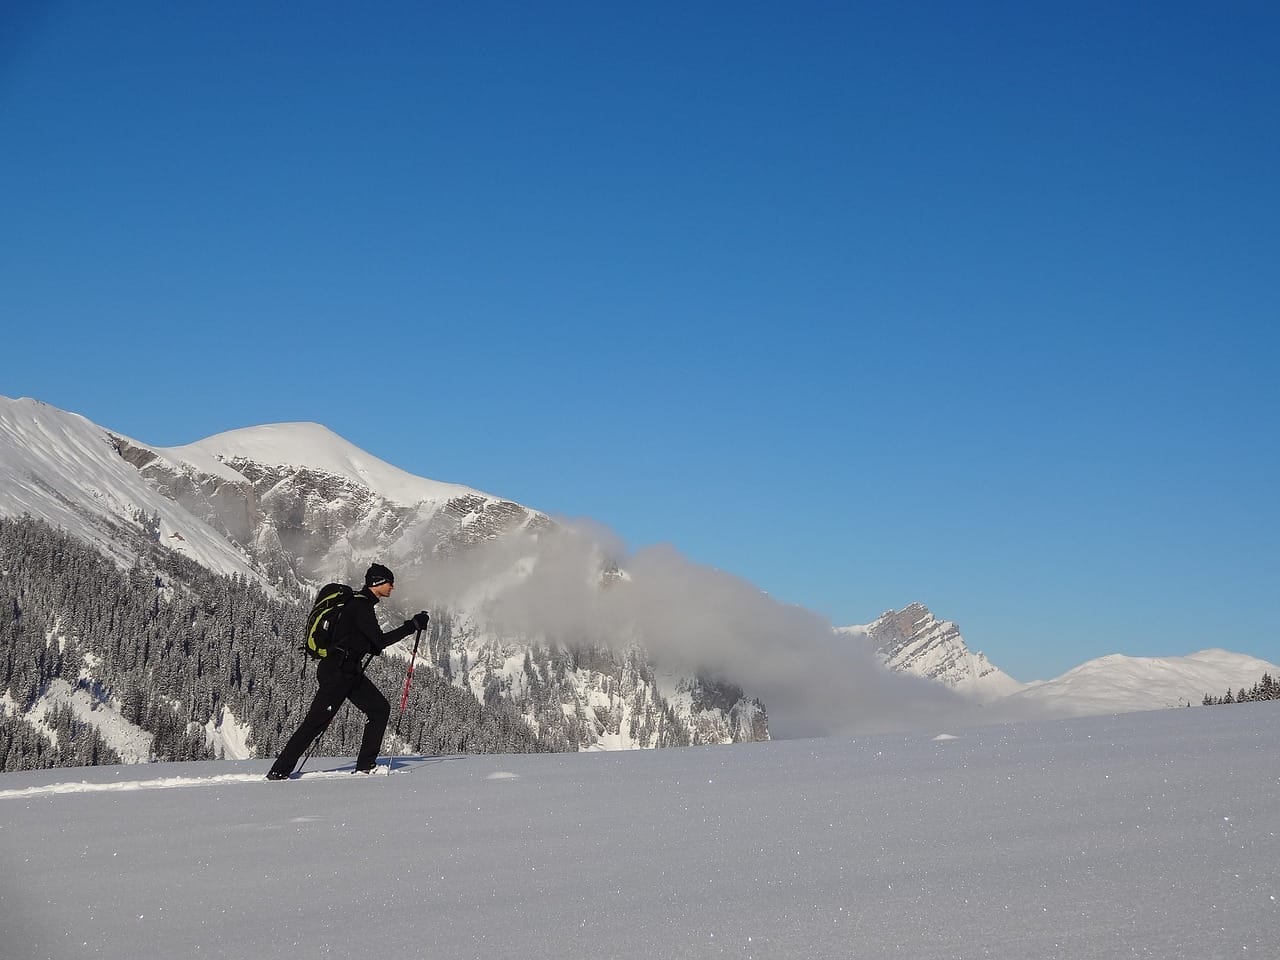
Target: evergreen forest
column 170, row 646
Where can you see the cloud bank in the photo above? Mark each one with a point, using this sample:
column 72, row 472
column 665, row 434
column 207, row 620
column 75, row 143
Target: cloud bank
column 690, row 617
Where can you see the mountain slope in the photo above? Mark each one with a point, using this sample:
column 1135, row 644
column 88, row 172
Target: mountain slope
column 62, row 468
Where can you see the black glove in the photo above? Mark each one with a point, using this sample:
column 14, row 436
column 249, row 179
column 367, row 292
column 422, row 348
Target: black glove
column 420, row 620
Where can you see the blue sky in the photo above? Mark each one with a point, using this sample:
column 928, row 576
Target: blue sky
column 971, row 304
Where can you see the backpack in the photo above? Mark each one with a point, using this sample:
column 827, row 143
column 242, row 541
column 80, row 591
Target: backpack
column 324, row 617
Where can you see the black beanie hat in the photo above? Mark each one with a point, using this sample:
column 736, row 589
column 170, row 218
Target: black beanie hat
column 378, row 574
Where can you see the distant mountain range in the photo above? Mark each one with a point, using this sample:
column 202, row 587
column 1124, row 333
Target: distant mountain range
column 912, row 640
column 286, row 507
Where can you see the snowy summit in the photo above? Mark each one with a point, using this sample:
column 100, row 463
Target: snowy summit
column 316, row 447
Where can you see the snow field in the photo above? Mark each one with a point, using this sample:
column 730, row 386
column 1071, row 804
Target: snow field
column 1141, row 835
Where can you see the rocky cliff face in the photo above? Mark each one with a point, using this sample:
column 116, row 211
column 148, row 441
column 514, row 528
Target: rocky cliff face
column 913, row 640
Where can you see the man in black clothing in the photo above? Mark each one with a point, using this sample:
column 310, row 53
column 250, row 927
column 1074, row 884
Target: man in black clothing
column 341, row 675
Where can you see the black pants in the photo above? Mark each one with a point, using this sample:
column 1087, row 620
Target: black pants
column 339, row 681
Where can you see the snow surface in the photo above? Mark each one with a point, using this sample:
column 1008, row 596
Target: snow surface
column 319, row 448
column 1144, row 835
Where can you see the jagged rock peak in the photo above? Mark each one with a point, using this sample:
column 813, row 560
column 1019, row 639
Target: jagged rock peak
column 910, row 621
column 913, row 640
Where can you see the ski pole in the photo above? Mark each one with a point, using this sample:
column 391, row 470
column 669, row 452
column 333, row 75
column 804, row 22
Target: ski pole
column 404, row 697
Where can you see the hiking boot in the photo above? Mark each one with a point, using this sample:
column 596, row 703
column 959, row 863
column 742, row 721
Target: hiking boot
column 368, row 771
column 277, row 775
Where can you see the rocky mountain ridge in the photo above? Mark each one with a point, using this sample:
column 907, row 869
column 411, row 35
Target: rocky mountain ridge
column 912, row 640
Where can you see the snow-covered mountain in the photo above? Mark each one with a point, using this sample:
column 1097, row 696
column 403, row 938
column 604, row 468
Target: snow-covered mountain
column 912, row 640
column 294, row 505
column 288, row 506
column 300, row 501
column 1116, row 683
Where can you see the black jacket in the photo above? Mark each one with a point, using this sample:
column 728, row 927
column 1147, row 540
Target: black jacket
column 357, row 631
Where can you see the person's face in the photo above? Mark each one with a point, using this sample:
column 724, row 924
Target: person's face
column 382, row 590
